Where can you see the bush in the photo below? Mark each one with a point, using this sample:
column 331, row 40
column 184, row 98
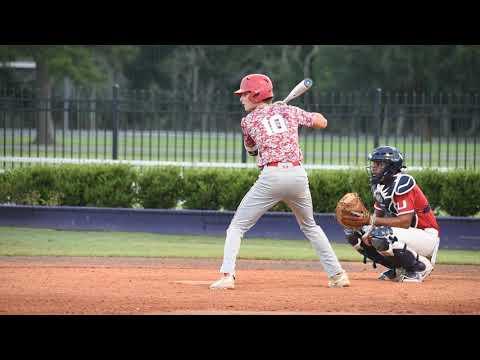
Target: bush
column 319, row 188
column 35, row 185
column 328, row 186
column 160, row 188
column 431, row 183
column 5, row 189
column 460, row 194
column 359, row 182
column 203, row 189
column 457, row 192
column 98, row 185
column 237, row 183
column 75, row 180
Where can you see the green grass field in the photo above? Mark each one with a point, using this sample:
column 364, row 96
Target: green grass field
column 46, row 242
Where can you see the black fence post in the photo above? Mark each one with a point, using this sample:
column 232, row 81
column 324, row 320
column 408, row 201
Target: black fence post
column 115, row 122
column 378, row 109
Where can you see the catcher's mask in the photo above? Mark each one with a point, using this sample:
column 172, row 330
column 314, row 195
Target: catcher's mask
column 259, row 86
column 393, row 164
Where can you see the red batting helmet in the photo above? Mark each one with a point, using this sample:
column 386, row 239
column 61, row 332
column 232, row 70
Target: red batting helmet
column 260, row 86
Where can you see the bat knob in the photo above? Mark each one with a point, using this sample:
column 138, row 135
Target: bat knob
column 308, row 82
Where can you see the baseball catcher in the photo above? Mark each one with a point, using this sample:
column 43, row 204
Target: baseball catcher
column 402, row 234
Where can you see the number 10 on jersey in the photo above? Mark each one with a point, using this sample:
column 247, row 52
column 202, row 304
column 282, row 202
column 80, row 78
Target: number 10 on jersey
column 274, row 124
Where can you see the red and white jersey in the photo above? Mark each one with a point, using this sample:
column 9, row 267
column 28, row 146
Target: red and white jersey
column 415, row 202
column 273, row 130
column 404, row 196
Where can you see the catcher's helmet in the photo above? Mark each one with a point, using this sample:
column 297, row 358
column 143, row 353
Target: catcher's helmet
column 260, row 86
column 393, row 160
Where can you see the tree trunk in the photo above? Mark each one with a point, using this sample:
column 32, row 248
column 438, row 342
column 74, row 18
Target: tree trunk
column 206, row 113
column 307, row 70
column 167, row 125
column 400, row 130
column 426, row 129
column 474, row 125
column 385, row 121
column 307, row 63
column 195, row 70
column 92, row 110
column 445, row 121
column 67, row 93
column 45, row 123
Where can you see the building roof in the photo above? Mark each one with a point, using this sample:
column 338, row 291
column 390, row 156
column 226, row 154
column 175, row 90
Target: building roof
column 19, row 64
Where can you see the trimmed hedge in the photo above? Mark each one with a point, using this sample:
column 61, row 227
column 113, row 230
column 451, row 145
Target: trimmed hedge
column 160, row 188
column 36, row 185
column 456, row 193
column 203, row 189
column 432, row 184
column 73, row 185
column 237, row 182
column 98, row 185
column 461, row 193
column 5, row 187
column 327, row 187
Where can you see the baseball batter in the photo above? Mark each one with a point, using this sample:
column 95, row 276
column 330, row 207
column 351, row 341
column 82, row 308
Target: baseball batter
column 270, row 131
column 405, row 235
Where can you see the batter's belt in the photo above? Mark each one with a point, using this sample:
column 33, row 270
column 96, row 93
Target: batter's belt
column 279, row 163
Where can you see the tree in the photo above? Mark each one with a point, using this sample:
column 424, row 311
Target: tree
column 84, row 64
column 148, row 70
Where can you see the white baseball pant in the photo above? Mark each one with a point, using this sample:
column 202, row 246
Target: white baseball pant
column 424, row 242
column 286, row 183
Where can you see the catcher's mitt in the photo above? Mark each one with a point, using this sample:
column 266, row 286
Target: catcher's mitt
column 351, row 212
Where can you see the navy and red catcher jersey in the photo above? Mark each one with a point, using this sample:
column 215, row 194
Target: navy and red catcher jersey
column 404, row 196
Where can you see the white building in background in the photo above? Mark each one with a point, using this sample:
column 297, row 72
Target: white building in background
column 20, row 72
column 23, row 73
column 19, row 64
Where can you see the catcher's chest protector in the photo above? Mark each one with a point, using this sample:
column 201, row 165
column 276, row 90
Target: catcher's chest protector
column 383, row 194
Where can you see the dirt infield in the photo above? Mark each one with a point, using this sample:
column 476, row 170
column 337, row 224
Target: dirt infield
column 76, row 285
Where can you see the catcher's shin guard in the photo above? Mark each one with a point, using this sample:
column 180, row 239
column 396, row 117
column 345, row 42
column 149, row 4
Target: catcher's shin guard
column 387, row 244
column 355, row 239
column 408, row 259
column 382, row 239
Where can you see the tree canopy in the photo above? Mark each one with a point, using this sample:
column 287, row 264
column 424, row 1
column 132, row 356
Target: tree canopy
column 333, row 67
column 190, row 69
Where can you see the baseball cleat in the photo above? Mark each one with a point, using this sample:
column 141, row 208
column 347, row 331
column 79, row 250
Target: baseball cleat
column 419, row 276
column 428, row 268
column 391, row 275
column 411, row 277
column 339, row 280
column 226, row 282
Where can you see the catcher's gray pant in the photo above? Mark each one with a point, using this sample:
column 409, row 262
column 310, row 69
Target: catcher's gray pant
column 290, row 184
